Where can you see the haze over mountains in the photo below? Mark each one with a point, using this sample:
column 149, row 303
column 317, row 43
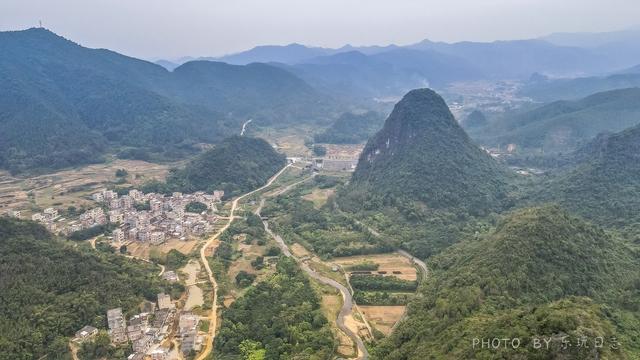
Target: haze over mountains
column 559, row 54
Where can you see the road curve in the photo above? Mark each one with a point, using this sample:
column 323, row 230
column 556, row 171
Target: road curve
column 347, row 299
column 213, row 315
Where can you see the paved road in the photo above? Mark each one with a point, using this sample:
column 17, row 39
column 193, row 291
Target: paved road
column 347, row 299
column 244, row 126
column 213, row 315
column 418, row 262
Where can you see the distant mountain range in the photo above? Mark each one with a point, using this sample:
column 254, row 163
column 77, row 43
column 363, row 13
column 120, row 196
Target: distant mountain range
column 557, row 54
column 62, row 104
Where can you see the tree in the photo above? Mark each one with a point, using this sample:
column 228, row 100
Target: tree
column 122, row 173
column 195, row 207
column 319, row 150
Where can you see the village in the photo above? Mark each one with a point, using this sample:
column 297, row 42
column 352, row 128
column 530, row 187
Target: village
column 147, row 218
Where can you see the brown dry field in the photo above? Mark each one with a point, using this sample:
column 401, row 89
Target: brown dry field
column 383, row 317
column 142, row 250
column 71, row 187
column 299, row 250
column 388, row 262
column 289, row 141
column 319, row 197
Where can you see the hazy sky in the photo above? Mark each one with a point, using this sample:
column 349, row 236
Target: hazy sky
column 170, row 29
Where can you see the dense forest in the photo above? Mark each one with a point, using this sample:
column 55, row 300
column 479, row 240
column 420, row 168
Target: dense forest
column 423, row 181
column 423, row 155
column 50, row 289
column 238, row 164
column 351, row 128
column 278, row 318
column 601, row 183
column 541, row 272
column 62, row 104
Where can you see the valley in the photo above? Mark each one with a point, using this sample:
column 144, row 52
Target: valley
column 420, row 199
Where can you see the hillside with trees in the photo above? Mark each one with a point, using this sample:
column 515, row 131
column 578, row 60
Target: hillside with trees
column 563, row 126
column 540, row 272
column 602, row 183
column 422, row 154
column 62, row 104
column 351, row 128
column 423, row 180
column 51, row 289
column 238, row 164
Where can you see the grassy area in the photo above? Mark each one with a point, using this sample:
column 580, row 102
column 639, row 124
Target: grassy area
column 204, row 325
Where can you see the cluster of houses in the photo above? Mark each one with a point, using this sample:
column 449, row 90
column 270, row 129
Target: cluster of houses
column 151, row 218
column 147, row 330
column 165, row 216
column 47, row 218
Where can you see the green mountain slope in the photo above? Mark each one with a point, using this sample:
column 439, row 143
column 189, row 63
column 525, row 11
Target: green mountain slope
column 563, row 126
column 476, row 119
column 50, row 289
column 604, row 181
column 62, row 104
column 351, row 128
column 541, row 272
column 238, row 164
column 422, row 154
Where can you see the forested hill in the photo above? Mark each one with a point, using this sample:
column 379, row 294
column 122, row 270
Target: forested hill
column 62, row 104
column 603, row 183
column 236, row 165
column 562, row 126
column 49, row 290
column 422, row 154
column 351, row 128
column 541, row 272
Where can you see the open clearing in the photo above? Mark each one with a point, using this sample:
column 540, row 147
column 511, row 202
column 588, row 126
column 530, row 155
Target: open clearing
column 319, row 197
column 393, row 264
column 195, row 296
column 383, row 318
column 343, row 151
column 142, row 249
column 299, row 250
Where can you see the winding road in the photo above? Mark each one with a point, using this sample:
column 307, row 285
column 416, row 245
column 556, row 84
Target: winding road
column 347, row 299
column 213, row 315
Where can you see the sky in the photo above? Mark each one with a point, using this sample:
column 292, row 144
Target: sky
column 170, row 29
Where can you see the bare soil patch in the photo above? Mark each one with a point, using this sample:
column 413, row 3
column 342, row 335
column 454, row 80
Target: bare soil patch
column 383, row 318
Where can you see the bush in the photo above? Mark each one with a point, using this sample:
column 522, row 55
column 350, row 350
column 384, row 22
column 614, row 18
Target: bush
column 244, row 279
column 196, row 207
